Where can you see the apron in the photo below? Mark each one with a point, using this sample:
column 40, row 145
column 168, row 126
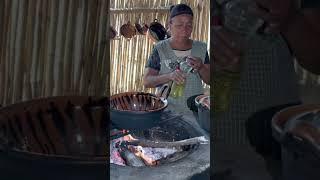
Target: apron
column 267, row 79
column 193, row 83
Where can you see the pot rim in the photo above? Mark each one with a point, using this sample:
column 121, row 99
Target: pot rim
column 198, row 98
column 164, row 101
column 66, row 159
column 292, row 112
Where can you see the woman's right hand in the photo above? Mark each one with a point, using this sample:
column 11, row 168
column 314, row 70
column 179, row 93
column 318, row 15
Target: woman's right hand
column 178, row 76
column 226, row 49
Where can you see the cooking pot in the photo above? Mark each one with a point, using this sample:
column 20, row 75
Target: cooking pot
column 156, row 31
column 297, row 129
column 138, row 110
column 112, row 33
column 128, row 30
column 203, row 104
column 201, row 109
column 296, row 122
column 141, row 29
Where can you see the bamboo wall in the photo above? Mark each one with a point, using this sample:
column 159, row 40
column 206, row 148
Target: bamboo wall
column 128, row 57
column 52, row 47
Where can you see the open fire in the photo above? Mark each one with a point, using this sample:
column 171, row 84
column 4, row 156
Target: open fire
column 129, row 151
column 131, row 155
column 168, row 142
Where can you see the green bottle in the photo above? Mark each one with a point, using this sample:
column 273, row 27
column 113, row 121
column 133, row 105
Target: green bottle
column 223, row 85
column 177, row 90
column 238, row 19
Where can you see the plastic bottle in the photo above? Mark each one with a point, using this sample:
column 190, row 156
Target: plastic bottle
column 177, row 90
column 234, row 16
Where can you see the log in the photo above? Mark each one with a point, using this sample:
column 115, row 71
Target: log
column 148, row 143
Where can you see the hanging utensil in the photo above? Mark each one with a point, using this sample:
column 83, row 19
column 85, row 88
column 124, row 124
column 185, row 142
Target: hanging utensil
column 128, row 30
column 112, row 33
column 156, row 31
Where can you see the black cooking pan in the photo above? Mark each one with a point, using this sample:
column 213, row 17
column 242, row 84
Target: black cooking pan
column 138, row 110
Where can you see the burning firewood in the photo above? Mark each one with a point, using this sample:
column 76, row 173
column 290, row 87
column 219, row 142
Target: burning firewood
column 115, row 156
column 127, row 150
column 151, row 156
column 148, row 143
column 131, row 159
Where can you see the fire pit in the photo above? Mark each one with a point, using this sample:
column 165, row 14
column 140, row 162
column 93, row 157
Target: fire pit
column 175, row 149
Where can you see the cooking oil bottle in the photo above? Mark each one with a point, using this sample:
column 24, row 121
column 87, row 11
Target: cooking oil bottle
column 177, row 90
column 234, row 16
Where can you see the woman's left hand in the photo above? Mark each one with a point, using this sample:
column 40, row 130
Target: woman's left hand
column 194, row 62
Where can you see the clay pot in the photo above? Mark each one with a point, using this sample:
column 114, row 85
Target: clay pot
column 138, row 110
column 145, row 29
column 156, row 31
column 142, row 29
column 112, row 33
column 128, row 30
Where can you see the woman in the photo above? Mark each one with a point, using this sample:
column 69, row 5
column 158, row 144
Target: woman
column 268, row 81
column 179, row 45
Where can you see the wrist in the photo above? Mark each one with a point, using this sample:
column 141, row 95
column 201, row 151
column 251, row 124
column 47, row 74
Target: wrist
column 170, row 76
column 200, row 67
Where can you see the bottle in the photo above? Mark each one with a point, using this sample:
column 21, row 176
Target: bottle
column 234, row 16
column 177, row 90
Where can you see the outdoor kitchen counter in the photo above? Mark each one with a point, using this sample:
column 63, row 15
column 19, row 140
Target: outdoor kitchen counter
column 195, row 163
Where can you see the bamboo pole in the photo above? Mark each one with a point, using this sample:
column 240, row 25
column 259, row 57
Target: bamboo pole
column 34, row 55
column 18, row 62
column 96, row 44
column 50, row 57
column 82, row 31
column 103, row 47
column 60, row 42
column 67, row 58
column 83, row 55
column 3, row 47
column 87, row 50
column 27, row 54
column 42, row 46
column 13, row 23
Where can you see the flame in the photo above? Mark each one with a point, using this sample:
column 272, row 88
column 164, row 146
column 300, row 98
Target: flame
column 129, row 138
column 137, row 150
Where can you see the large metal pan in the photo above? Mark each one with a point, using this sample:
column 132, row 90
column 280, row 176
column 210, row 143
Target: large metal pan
column 138, row 110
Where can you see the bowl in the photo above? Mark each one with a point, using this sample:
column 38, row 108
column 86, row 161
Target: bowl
column 137, row 102
column 136, row 110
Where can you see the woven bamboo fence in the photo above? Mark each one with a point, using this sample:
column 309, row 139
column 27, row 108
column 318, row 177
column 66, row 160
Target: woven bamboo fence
column 53, row 47
column 128, row 57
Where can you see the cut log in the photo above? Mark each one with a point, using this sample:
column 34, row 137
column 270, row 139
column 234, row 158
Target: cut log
column 148, row 143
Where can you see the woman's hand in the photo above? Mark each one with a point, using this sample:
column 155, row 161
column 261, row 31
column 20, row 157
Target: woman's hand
column 277, row 14
column 226, row 49
column 194, row 62
column 199, row 67
column 178, row 76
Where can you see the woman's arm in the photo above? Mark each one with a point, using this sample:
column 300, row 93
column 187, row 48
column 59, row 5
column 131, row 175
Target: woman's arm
column 152, row 79
column 205, row 73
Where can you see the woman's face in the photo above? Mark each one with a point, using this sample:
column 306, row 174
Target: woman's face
column 181, row 26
